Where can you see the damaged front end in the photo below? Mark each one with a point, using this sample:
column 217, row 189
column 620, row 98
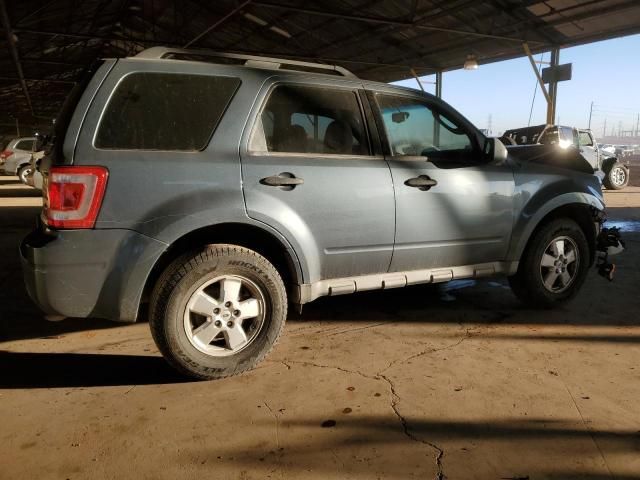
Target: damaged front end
column 608, row 243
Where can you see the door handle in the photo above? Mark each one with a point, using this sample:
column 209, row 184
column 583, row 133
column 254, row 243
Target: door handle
column 423, row 182
column 282, row 180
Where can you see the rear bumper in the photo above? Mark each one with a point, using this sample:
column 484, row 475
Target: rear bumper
column 88, row 273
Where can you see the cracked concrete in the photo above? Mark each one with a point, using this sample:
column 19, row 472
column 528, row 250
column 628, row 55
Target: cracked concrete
column 456, row 384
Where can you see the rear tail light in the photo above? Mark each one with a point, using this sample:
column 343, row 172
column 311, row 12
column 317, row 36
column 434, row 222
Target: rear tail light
column 73, row 196
column 6, row 154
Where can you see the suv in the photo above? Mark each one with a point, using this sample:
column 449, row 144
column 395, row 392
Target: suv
column 16, row 157
column 219, row 188
column 614, row 173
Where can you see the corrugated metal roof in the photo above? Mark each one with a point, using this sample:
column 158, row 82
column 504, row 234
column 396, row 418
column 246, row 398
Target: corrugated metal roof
column 378, row 40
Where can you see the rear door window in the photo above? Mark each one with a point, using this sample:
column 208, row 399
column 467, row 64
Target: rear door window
column 164, row 111
column 311, row 120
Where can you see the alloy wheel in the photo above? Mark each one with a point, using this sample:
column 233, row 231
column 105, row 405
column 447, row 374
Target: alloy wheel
column 559, row 264
column 224, row 315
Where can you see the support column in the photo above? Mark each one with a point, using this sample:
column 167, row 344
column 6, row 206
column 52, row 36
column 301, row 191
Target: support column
column 439, row 84
column 553, row 88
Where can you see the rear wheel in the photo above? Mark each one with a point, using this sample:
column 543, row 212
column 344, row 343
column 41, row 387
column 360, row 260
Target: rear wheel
column 553, row 266
column 617, row 177
column 218, row 312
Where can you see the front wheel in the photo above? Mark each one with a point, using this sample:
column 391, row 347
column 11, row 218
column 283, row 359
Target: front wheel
column 617, row 177
column 217, row 312
column 23, row 173
column 554, row 265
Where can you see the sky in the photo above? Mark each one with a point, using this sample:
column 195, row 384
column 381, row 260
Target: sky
column 606, row 73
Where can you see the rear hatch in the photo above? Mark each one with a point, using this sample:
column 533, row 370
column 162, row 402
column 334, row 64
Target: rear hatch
column 53, row 142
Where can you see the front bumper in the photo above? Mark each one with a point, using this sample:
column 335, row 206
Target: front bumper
column 88, row 273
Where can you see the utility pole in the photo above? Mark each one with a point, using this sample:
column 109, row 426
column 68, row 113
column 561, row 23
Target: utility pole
column 590, row 114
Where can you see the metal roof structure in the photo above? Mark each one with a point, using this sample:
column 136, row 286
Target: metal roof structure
column 47, row 43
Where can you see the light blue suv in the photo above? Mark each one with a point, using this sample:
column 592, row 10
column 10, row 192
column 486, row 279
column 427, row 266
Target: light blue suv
column 219, row 188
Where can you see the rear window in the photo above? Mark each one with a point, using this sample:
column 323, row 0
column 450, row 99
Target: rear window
column 164, row 111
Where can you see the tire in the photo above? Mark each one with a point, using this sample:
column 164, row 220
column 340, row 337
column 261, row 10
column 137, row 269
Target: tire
column 528, row 282
column 23, row 171
column 187, row 287
column 617, row 177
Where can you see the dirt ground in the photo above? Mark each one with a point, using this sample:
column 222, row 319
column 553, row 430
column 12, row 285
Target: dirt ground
column 456, row 382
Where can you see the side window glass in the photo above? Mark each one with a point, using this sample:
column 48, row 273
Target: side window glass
column 566, row 137
column 585, row 139
column 550, row 136
column 414, row 129
column 25, row 145
column 576, row 141
column 310, row 120
column 164, row 111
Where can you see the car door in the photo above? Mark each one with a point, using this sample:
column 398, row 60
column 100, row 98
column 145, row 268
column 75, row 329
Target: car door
column 453, row 206
column 588, row 148
column 308, row 172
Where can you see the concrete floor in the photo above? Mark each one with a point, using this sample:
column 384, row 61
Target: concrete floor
column 424, row 382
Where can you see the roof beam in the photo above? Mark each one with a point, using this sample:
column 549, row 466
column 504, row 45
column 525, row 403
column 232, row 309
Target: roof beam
column 386, row 21
column 13, row 49
column 43, row 80
column 217, row 23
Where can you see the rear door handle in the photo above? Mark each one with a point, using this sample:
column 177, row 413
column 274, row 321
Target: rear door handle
column 423, row 182
column 282, row 180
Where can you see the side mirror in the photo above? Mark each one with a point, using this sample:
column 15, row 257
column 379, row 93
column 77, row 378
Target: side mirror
column 495, row 150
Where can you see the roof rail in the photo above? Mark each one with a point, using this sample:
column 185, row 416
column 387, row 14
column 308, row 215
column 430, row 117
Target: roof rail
column 250, row 60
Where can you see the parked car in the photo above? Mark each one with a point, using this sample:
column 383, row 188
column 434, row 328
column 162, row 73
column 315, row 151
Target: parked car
column 220, row 193
column 14, row 160
column 609, row 166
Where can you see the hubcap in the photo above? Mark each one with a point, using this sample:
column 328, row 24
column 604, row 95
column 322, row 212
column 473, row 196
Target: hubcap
column 559, row 264
column 618, row 176
column 224, row 315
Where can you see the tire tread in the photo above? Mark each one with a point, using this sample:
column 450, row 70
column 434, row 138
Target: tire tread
column 169, row 280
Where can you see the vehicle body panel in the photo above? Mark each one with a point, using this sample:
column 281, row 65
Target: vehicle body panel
column 88, row 273
column 465, row 219
column 540, row 189
column 342, row 219
column 163, row 199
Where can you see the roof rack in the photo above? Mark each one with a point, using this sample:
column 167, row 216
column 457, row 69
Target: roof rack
column 250, row 60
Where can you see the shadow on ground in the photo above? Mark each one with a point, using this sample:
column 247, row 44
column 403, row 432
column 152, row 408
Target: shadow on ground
column 378, row 432
column 52, row 370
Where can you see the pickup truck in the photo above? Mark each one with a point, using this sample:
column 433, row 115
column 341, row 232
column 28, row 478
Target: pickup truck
column 610, row 168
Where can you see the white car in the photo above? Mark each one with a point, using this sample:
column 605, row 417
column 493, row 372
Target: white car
column 16, row 157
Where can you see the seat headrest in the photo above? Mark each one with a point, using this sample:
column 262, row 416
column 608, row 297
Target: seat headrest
column 338, row 138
